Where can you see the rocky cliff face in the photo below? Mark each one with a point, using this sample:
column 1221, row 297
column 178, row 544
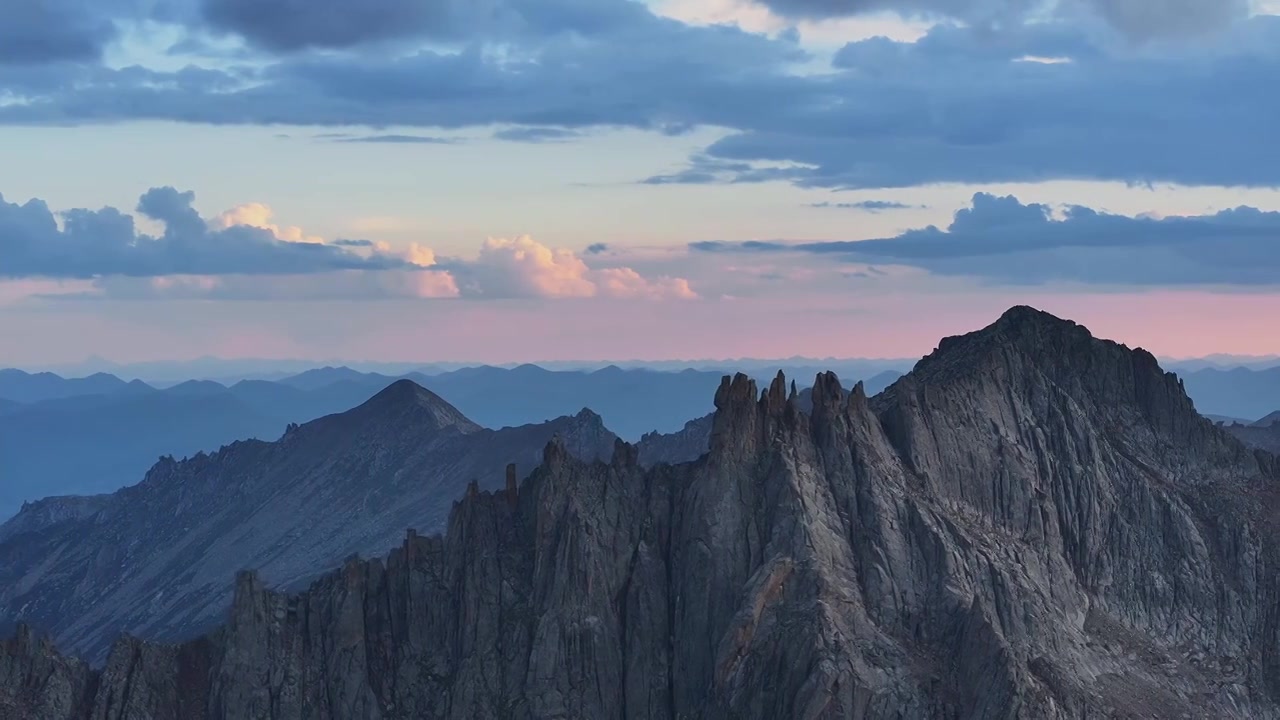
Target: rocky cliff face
column 1033, row 523
column 686, row 445
column 154, row 559
column 41, row 514
column 694, row 439
column 1260, row 436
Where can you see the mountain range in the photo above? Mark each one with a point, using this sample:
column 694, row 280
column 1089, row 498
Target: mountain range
column 1238, row 392
column 93, row 435
column 1263, row 434
column 1031, row 523
column 152, row 559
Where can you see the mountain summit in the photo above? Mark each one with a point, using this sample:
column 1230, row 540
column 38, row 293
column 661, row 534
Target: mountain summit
column 1032, row 523
column 404, row 401
column 153, row 559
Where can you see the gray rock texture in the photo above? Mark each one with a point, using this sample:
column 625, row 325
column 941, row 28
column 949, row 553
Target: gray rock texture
column 41, row 514
column 1258, row 435
column 154, row 559
column 1031, row 524
column 687, row 444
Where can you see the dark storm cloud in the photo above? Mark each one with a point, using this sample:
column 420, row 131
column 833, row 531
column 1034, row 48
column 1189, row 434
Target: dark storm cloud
column 94, row 243
column 1004, row 240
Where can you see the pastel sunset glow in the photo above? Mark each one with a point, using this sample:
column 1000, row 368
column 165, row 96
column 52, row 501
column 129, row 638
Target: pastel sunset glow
column 625, row 180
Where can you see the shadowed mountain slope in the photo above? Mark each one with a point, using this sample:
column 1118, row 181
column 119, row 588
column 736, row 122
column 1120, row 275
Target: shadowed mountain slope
column 1031, row 524
column 153, row 558
column 1263, row 434
column 95, row 435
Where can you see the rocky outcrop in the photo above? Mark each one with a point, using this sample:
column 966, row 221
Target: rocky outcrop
column 694, row 439
column 153, row 559
column 1032, row 524
column 689, row 443
column 41, row 514
column 1258, row 435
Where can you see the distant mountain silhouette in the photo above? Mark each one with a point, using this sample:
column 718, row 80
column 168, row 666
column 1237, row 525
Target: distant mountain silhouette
column 26, row 387
column 323, row 377
column 93, row 435
column 1240, row 392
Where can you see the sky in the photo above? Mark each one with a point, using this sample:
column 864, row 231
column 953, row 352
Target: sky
column 523, row 180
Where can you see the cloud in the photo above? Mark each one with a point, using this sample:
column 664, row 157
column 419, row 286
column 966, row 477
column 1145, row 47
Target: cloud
column 536, row 134
column 259, row 215
column 673, row 72
column 79, row 243
column 867, row 205
column 1146, row 19
column 243, row 254
column 289, row 25
column 597, row 248
column 523, row 267
column 969, row 10
column 1137, row 19
column 627, row 283
column 956, row 106
column 395, row 139
column 1003, row 240
column 42, row 31
column 353, row 285
column 420, row 256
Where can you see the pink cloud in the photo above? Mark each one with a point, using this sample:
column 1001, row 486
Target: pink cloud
column 523, row 267
column 259, row 215
column 627, row 283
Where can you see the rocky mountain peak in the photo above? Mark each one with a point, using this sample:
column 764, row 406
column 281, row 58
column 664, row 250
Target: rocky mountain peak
column 1046, row 361
column 1027, row 525
column 408, row 403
